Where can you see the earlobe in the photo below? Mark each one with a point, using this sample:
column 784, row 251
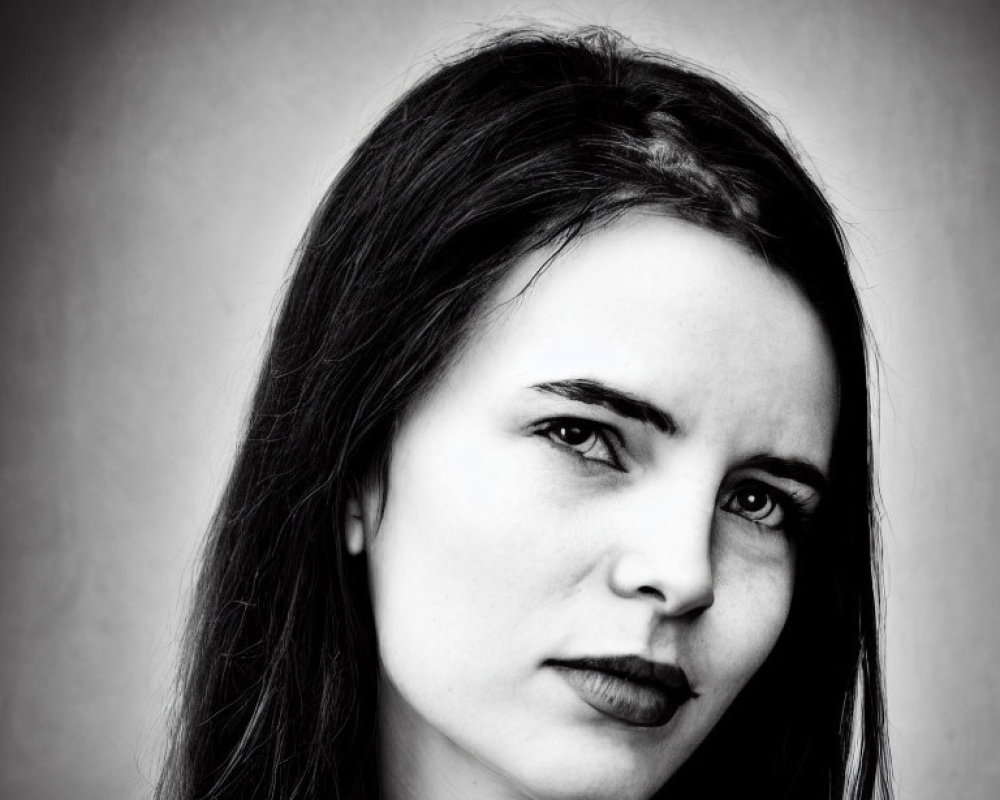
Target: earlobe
column 354, row 527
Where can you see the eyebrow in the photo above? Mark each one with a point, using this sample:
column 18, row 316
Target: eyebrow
column 628, row 405
column 792, row 469
column 622, row 403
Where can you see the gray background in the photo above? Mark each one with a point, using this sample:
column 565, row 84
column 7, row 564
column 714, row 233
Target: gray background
column 159, row 161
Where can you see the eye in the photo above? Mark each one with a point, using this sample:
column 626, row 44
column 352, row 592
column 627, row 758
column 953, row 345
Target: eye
column 587, row 440
column 758, row 503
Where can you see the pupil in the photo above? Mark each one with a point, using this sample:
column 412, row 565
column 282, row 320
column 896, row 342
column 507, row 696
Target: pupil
column 573, row 434
column 753, row 501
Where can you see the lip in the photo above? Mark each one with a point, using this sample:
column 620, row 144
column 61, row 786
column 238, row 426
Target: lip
column 629, row 689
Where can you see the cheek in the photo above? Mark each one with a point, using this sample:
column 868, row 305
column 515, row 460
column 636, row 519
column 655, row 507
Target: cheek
column 458, row 567
column 752, row 605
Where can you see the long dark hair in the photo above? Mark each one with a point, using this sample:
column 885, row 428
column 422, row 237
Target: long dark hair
column 522, row 142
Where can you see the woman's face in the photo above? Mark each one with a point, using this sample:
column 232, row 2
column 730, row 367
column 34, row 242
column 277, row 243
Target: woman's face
column 588, row 545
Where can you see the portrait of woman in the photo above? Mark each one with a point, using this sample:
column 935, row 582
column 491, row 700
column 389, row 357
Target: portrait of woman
column 556, row 482
column 559, row 473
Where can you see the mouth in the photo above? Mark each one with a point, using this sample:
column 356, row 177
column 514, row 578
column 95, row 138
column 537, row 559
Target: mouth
column 628, row 689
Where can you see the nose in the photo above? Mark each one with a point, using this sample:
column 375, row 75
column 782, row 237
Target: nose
column 666, row 558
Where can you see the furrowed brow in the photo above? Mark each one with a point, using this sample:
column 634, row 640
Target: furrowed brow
column 622, row 403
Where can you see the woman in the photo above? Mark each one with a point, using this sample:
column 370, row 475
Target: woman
column 557, row 478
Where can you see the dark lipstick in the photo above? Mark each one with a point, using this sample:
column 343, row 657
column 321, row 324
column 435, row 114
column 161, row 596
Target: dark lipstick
column 629, row 689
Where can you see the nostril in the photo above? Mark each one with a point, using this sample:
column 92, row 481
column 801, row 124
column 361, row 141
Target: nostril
column 675, row 587
column 652, row 591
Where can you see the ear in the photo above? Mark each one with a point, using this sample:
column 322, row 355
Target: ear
column 354, row 527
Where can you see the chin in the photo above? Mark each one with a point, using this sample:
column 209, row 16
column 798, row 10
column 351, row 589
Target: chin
column 574, row 768
column 560, row 784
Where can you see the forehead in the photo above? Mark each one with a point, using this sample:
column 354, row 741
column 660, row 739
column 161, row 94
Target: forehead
column 677, row 314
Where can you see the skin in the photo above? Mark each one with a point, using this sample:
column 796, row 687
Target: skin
column 509, row 539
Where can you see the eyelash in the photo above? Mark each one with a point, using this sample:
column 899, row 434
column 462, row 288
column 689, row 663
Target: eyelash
column 793, row 509
column 595, row 435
